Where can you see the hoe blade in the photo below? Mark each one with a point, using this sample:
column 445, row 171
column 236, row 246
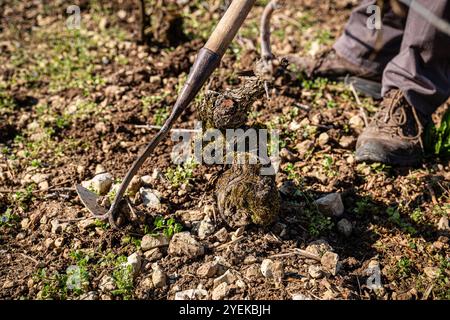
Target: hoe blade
column 89, row 199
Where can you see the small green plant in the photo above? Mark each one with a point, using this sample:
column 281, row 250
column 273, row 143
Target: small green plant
column 417, row 215
column 23, row 198
column 36, row 163
column 442, row 289
column 160, row 116
column 8, row 219
column 6, row 102
column 318, row 223
column 123, row 279
column 167, row 226
column 182, row 174
column 53, row 286
column 403, row 267
column 394, row 216
column 380, row 167
column 437, row 139
column 75, row 280
column 292, row 173
column 131, row 240
column 441, row 210
column 101, row 224
column 365, row 206
column 328, row 166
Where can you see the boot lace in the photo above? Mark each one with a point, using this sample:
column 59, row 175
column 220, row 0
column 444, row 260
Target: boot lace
column 395, row 117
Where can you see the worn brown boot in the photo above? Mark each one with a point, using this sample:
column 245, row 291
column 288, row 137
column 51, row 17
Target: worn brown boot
column 395, row 134
column 331, row 65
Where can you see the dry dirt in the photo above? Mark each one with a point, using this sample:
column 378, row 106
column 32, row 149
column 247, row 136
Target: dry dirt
column 71, row 100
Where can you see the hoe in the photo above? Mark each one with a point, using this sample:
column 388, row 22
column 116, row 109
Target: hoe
column 206, row 62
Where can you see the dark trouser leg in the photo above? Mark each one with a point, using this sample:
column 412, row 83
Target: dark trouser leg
column 422, row 68
column 371, row 49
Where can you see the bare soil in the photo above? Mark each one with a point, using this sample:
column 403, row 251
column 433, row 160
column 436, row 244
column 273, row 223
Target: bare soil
column 71, row 100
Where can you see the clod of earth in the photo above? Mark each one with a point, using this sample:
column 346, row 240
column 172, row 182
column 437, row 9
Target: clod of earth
column 229, row 110
column 183, row 244
column 244, row 196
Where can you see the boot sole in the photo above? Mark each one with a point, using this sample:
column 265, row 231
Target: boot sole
column 396, row 160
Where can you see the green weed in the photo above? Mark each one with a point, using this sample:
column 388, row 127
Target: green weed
column 168, row 227
column 437, row 139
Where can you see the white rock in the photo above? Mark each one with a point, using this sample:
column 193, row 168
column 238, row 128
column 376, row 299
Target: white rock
column 222, row 235
column 183, row 244
column 323, row 139
column 87, row 224
column 58, row 227
column 345, row 227
column 33, row 126
column 147, row 180
column 241, row 284
column 266, row 268
column 147, row 283
column 331, row 205
column 330, row 262
column 39, row 178
column 150, row 198
column 107, row 283
column 304, row 147
column 228, row 277
column 299, row 296
column 432, row 272
column 99, row 169
column 318, row 247
column 43, row 185
column 122, row 14
column 59, row 242
column 346, row 141
column 294, row 126
column 150, row 242
column 356, row 122
column 135, row 262
column 101, row 183
column 86, row 184
column 208, row 269
column 8, row 284
column 49, row 243
column 153, row 254
column 205, row 228
column 443, row 224
column 191, row 294
column 91, row 295
column 159, row 278
column 25, row 223
column 220, row 292
column 254, row 271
